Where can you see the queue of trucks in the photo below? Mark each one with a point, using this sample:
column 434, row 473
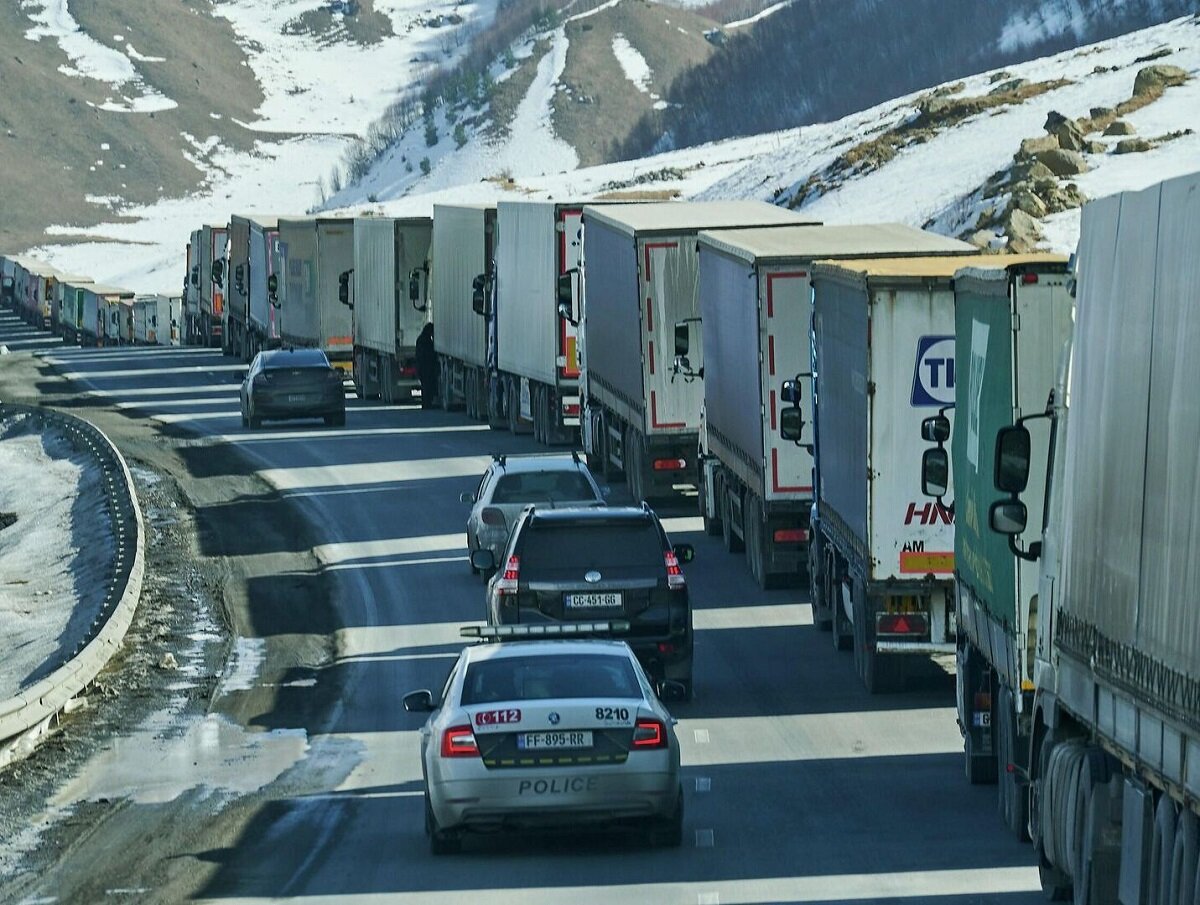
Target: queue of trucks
column 873, row 410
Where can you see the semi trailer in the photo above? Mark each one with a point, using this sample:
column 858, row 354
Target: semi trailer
column 314, row 254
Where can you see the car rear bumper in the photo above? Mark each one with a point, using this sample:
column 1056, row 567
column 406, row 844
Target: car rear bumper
column 282, row 407
column 555, row 797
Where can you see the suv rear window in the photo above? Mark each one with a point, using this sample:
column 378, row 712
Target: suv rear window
column 539, row 678
column 536, row 486
column 554, row 545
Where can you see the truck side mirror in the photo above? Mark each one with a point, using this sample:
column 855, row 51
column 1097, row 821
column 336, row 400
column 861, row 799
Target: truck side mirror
column 791, row 423
column 196, row 275
column 479, row 295
column 1008, row 517
column 344, row 288
column 273, row 290
column 567, row 297
column 790, row 392
column 1012, row 460
column 935, row 471
column 239, row 279
column 935, row 429
column 682, row 338
column 414, row 289
column 218, row 272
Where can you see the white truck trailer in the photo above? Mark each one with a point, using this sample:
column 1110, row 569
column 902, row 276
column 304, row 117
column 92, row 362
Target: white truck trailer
column 881, row 555
column 156, row 319
column 70, row 308
column 388, row 295
column 189, row 324
column 755, row 488
column 1114, row 762
column 464, row 238
column 536, row 381
column 211, row 281
column 315, row 253
column 251, row 315
column 101, row 323
column 640, row 279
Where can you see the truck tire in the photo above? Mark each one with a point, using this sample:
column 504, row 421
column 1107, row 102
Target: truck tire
column 756, row 543
column 816, row 588
column 880, row 673
column 1011, row 799
column 1186, row 857
column 840, row 626
column 444, row 385
column 712, row 525
column 733, row 543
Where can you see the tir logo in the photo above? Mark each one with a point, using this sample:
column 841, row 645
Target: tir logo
column 933, row 377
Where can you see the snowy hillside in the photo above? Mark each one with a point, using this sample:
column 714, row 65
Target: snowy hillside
column 928, row 158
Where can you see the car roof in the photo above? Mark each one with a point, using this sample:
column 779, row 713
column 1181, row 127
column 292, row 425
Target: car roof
column 592, row 514
column 284, row 358
column 536, row 462
column 544, row 646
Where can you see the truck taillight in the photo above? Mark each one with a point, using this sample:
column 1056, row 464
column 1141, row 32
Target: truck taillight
column 670, row 464
column 649, row 734
column 790, row 535
column 1028, row 278
column 570, row 409
column 675, row 578
column 459, row 741
column 508, row 581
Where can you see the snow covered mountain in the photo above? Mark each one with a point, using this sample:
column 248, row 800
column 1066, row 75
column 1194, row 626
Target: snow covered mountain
column 971, row 157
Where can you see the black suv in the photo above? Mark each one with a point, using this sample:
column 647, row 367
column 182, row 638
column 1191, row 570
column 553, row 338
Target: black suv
column 615, row 563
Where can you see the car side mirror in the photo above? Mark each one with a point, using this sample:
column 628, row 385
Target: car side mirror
column 684, row 552
column 419, row 701
column 935, row 429
column 466, row 497
column 791, row 423
column 483, row 560
column 935, row 471
column 1012, row 459
column 1008, row 517
column 671, row 690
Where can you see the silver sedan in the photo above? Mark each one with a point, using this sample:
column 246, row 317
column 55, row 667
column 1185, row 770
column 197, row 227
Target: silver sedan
column 547, row 733
column 513, row 482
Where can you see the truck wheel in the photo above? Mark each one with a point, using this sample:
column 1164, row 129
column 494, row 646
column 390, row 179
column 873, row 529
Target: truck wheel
column 877, row 671
column 821, row 604
column 756, row 541
column 842, row 629
column 712, row 525
column 733, row 543
column 1011, row 799
column 444, row 385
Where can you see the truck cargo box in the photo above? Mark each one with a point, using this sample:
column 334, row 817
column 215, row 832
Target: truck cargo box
column 386, row 251
column 642, row 272
column 462, row 250
column 264, row 253
column 755, row 302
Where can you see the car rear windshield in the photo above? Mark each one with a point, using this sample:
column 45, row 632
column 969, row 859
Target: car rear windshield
column 300, row 358
column 538, row 486
column 549, row 676
column 554, row 545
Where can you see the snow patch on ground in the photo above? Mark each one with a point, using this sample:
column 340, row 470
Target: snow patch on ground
column 241, row 672
column 56, row 559
column 633, row 64
column 770, row 10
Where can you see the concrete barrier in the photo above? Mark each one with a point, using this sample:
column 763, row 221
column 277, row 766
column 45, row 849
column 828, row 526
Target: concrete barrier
column 28, row 714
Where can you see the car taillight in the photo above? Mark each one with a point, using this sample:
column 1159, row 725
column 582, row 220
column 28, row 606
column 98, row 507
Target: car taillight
column 408, row 371
column 459, row 741
column 670, row 464
column 649, row 734
column 507, row 582
column 790, row 535
column 675, row 577
column 492, row 516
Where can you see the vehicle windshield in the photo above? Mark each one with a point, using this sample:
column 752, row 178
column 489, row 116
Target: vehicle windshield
column 550, row 676
column 297, row 358
column 634, row 544
column 538, row 486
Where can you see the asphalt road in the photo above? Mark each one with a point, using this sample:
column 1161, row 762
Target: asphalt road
column 799, row 786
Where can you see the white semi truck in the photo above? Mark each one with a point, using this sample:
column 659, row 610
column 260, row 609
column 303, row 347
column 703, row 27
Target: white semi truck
column 1114, row 757
column 755, row 488
column 640, row 279
column 464, row 238
column 388, row 297
column 535, row 385
column 315, row 254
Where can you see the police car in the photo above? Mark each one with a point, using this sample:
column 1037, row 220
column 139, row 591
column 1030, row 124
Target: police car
column 547, row 726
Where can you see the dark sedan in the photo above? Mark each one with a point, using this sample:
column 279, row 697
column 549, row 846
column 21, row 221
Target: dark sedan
column 293, row 383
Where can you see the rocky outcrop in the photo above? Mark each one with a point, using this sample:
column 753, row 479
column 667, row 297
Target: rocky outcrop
column 1062, row 162
column 1119, row 127
column 1132, row 146
column 1153, row 80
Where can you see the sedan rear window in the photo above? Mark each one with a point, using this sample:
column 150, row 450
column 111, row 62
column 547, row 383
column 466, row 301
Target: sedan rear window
column 555, row 545
column 545, row 677
column 297, row 358
column 538, row 486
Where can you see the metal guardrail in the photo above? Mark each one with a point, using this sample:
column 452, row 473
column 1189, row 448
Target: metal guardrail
column 33, row 707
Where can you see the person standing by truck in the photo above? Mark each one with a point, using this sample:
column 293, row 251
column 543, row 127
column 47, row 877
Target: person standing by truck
column 427, row 367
